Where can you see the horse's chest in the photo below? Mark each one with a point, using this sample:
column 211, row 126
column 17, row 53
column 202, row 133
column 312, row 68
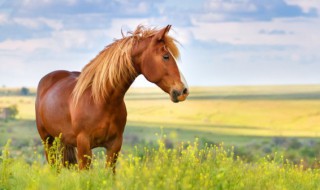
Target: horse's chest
column 105, row 133
column 101, row 125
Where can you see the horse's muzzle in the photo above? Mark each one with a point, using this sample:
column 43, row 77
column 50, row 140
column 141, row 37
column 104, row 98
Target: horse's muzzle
column 179, row 95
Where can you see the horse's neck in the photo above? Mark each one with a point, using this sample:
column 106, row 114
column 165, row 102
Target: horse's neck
column 117, row 93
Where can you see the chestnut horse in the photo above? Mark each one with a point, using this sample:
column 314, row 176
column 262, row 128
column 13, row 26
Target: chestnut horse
column 88, row 108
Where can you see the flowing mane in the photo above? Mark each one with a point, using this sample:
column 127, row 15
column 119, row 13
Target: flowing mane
column 113, row 65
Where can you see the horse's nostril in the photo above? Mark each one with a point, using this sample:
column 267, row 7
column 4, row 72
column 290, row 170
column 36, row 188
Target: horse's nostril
column 175, row 93
column 179, row 95
column 185, row 91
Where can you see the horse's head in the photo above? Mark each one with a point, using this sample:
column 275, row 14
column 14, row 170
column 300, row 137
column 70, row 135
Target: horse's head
column 156, row 59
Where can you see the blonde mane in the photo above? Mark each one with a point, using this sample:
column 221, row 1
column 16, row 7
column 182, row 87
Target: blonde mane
column 113, row 65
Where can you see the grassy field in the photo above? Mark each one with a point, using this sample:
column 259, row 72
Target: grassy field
column 256, row 120
column 235, row 115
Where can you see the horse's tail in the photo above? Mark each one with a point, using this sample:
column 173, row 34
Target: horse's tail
column 69, row 155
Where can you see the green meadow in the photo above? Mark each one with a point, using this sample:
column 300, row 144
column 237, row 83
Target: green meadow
column 241, row 137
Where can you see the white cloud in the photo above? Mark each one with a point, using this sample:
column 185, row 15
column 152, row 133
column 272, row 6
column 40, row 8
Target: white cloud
column 229, row 6
column 211, row 17
column 26, row 46
column 52, row 23
column 127, row 24
column 31, row 23
column 59, row 41
column 182, row 34
column 3, row 18
column 248, row 10
column 35, row 3
column 306, row 5
column 28, row 23
column 35, row 23
column 299, row 32
column 140, row 8
column 74, row 39
column 72, row 2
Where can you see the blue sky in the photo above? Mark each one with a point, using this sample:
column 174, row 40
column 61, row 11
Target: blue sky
column 223, row 42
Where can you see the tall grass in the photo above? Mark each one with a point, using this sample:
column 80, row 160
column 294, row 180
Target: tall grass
column 187, row 166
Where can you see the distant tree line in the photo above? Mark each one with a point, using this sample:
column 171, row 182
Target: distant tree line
column 23, row 91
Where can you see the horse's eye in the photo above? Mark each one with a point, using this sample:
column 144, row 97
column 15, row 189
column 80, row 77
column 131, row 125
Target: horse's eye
column 166, row 57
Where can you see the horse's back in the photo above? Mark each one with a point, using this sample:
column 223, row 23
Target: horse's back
column 52, row 78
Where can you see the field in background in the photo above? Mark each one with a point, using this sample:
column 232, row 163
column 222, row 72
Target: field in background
column 237, row 116
column 239, row 111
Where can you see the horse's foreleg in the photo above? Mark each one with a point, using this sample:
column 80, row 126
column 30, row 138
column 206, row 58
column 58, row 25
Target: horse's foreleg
column 112, row 154
column 84, row 151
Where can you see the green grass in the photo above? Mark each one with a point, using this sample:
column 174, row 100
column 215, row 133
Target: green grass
column 188, row 166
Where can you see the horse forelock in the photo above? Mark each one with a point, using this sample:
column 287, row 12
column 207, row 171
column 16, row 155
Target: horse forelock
column 113, row 65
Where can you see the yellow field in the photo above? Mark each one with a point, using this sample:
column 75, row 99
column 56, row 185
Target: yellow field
column 253, row 111
column 25, row 105
column 259, row 118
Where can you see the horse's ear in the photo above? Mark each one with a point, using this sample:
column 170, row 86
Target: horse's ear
column 161, row 34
